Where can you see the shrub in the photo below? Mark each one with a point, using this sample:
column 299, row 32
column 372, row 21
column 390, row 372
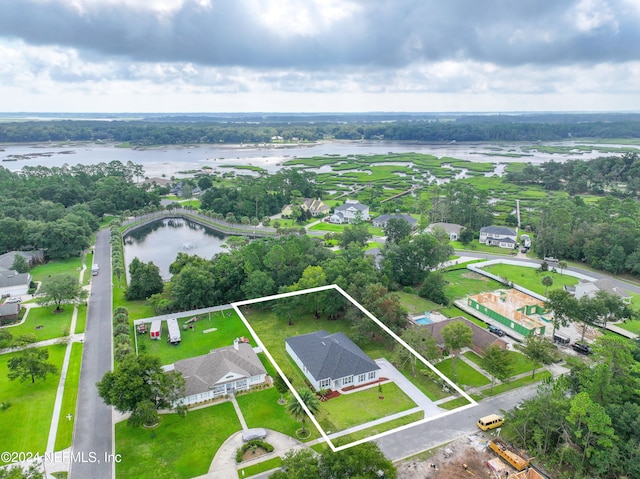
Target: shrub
column 254, row 444
column 122, row 339
column 121, row 329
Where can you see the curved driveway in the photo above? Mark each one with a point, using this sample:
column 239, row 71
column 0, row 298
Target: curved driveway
column 93, row 434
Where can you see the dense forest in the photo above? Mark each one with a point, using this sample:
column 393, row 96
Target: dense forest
column 262, row 128
column 57, row 209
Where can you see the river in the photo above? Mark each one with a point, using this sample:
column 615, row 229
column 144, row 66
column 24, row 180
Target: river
column 170, row 160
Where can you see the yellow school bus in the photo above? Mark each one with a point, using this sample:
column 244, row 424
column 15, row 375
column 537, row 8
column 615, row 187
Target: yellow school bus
column 490, row 422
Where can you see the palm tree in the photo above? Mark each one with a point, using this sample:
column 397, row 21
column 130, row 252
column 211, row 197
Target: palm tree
column 297, row 411
column 547, row 281
column 562, row 265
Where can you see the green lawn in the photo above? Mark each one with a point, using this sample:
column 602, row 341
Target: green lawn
column 630, row 325
column 25, row 425
column 260, row 467
column 423, row 382
column 261, row 409
column 519, row 362
column 86, row 279
column 44, row 324
column 463, row 282
column 361, row 407
column 69, row 266
column 372, row 431
column 81, row 320
column 415, row 304
column 179, row 448
column 515, row 384
column 530, row 278
column 454, row 312
column 65, row 426
column 137, row 309
column 195, row 342
column 467, row 376
column 454, row 403
column 334, row 228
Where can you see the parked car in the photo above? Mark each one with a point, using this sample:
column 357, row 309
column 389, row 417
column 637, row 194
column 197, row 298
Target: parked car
column 13, row 299
column 581, row 348
column 496, row 330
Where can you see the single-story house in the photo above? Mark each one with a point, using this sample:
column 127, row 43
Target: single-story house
column 498, row 236
column 13, row 283
column 381, row 221
column 452, row 229
column 9, row 312
column 350, row 211
column 331, row 361
column 590, row 288
column 315, row 207
column 481, row 337
column 221, row 372
column 32, row 257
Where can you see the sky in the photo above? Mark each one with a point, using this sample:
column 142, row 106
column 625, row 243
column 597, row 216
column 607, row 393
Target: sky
column 319, row 55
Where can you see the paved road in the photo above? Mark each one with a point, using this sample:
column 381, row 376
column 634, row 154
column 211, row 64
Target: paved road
column 440, row 431
column 93, row 434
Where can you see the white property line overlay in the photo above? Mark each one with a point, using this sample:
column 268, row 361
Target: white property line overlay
column 335, row 287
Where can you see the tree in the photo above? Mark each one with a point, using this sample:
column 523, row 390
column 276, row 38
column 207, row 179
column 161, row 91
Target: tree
column 422, row 341
column 539, row 350
column 433, row 288
column 17, row 472
column 312, row 277
column 20, row 264
column 498, row 363
column 59, row 290
column 563, row 307
column 137, row 381
column 407, row 262
column 397, row 229
column 30, row 363
column 294, row 407
column 562, row 265
column 299, row 464
column 358, row 234
column 145, row 280
column 546, row 282
column 192, row 287
column 281, row 387
column 365, row 461
column 456, row 335
column 612, row 307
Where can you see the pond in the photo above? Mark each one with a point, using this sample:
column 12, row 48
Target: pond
column 162, row 240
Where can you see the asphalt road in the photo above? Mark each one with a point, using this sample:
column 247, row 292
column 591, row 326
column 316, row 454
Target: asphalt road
column 93, row 434
column 449, row 428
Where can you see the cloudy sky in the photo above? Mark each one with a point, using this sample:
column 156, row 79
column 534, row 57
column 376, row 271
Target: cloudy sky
column 319, row 55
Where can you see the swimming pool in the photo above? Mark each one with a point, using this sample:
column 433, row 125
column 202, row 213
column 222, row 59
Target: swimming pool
column 423, row 320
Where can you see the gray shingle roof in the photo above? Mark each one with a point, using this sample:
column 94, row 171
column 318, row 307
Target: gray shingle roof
column 351, row 204
column 13, row 278
column 330, row 355
column 203, row 372
column 9, row 309
column 497, row 230
column 385, row 218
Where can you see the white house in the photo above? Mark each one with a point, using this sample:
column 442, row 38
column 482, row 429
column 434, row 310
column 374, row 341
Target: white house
column 331, row 361
column 350, row 211
column 498, row 236
column 452, row 229
column 223, row 371
column 13, row 283
column 589, row 288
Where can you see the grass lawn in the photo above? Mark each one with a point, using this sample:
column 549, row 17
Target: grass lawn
column 462, row 282
column 334, row 228
column 372, row 431
column 25, row 425
column 260, row 467
column 137, row 309
column 467, row 376
column 454, row 404
column 86, row 279
column 423, row 382
column 454, row 312
column 350, row 410
column 630, row 325
column 65, row 426
column 81, row 320
column 518, row 383
column 50, row 324
column 519, row 362
column 69, row 266
column 415, row 304
column 261, row 409
column 531, row 278
column 195, row 342
column 179, row 447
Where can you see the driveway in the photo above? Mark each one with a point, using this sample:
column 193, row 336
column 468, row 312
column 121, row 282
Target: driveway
column 387, row 370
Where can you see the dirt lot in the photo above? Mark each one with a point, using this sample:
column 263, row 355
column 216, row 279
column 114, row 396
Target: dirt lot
column 449, row 460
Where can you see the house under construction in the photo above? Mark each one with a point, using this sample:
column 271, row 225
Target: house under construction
column 512, row 309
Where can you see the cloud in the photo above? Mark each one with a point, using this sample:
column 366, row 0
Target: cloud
column 317, row 34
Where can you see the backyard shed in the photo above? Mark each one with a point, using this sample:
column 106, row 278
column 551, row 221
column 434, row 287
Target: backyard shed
column 156, row 329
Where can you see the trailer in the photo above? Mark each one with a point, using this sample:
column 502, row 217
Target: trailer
column 156, row 329
column 561, row 339
column 509, row 454
column 174, row 331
